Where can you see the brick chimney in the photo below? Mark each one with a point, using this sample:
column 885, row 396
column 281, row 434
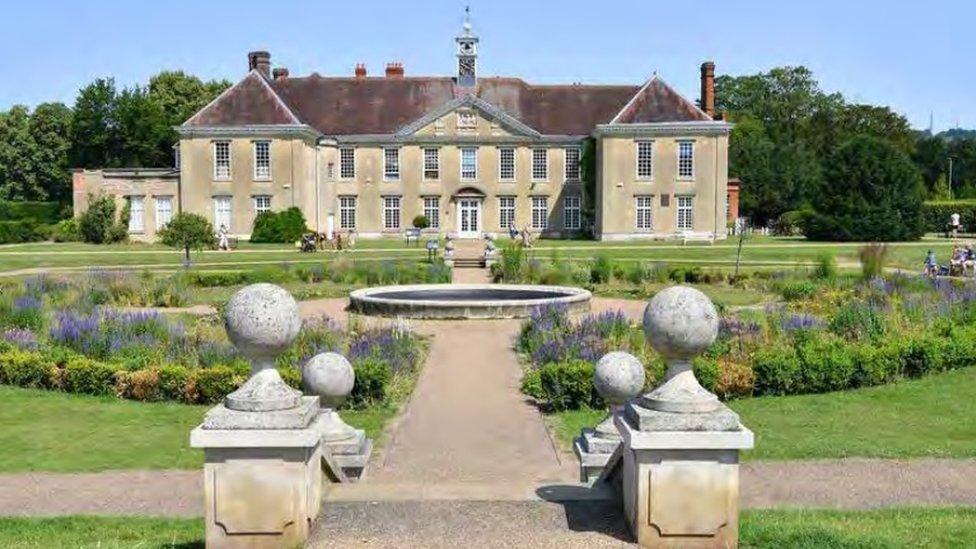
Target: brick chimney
column 708, row 88
column 280, row 73
column 394, row 70
column 260, row 60
column 360, row 71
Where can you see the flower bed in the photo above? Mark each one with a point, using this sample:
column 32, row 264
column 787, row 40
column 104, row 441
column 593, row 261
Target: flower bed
column 47, row 343
column 835, row 336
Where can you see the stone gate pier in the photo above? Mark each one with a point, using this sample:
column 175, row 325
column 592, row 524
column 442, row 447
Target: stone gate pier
column 678, row 459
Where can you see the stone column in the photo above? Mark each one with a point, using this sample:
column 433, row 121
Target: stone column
column 262, row 450
column 680, row 445
column 618, row 377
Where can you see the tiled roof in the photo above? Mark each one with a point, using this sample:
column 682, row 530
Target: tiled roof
column 377, row 105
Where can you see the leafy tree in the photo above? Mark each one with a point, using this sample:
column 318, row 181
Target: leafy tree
column 931, row 156
column 941, row 191
column 50, row 130
column 181, row 95
column 187, row 231
column 588, row 177
column 871, row 192
column 18, row 179
column 142, row 134
column 93, row 137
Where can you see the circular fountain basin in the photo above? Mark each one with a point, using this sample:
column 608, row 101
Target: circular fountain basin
column 460, row 301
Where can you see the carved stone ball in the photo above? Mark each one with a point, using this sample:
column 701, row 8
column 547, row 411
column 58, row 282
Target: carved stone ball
column 619, row 377
column 680, row 322
column 262, row 321
column 330, row 377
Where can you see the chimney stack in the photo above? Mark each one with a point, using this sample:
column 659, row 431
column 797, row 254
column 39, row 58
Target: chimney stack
column 260, row 60
column 394, row 70
column 360, row 71
column 708, row 88
column 280, row 73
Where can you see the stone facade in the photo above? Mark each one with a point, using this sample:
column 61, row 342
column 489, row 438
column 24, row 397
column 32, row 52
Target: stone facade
column 475, row 126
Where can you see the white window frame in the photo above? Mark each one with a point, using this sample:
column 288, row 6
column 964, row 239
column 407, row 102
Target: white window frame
column 258, row 208
column 392, row 217
column 347, row 159
column 163, row 216
column 347, row 212
column 644, row 213
column 644, row 160
column 391, row 163
column 544, row 165
column 261, row 172
column 432, row 211
column 219, row 213
column 470, row 176
column 572, row 175
column 540, row 213
column 137, row 215
column 431, row 163
column 688, row 161
column 501, row 163
column 572, row 212
column 177, row 159
column 685, row 212
column 506, row 209
column 221, row 172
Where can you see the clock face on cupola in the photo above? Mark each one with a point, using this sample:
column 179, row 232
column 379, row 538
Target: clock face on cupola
column 467, row 54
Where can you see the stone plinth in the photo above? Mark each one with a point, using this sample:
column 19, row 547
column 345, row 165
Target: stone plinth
column 262, row 486
column 681, row 488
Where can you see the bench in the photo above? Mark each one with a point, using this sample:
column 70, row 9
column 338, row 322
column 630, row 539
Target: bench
column 412, row 235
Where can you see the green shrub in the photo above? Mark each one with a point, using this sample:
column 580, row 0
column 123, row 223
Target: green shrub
column 218, row 278
column 172, row 382
column 706, row 370
column 284, row 227
column 24, row 369
column 777, row 369
column 46, row 213
column 826, row 268
column 210, row 385
column 66, row 230
column 795, row 291
column 922, row 355
column 291, row 376
column 872, row 258
column 602, row 270
column 936, row 214
column 99, row 223
column 532, row 384
column 421, row 222
column 372, row 379
column 82, row 375
column 16, row 232
column 569, row 385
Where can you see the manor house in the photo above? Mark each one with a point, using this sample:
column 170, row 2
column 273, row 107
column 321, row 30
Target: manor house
column 473, row 154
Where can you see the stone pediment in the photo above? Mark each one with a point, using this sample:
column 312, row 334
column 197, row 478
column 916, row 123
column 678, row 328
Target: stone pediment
column 468, row 115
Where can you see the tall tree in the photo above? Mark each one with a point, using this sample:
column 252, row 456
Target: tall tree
column 143, row 138
column 93, row 137
column 50, row 129
column 931, row 156
column 18, row 179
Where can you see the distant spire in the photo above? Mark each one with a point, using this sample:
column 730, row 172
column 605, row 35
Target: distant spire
column 931, row 123
column 467, row 20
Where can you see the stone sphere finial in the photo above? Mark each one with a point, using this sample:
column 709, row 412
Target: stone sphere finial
column 330, row 377
column 680, row 322
column 262, row 322
column 619, row 377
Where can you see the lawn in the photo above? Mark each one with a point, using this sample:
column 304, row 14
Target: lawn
column 928, row 417
column 49, row 431
column 821, row 529
column 756, row 252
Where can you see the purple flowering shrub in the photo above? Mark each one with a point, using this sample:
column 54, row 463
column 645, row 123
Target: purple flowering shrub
column 551, row 336
column 20, row 338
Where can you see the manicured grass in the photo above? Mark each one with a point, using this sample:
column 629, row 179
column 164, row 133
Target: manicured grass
column 721, row 294
column 50, row 431
column 929, row 417
column 820, row 529
column 756, row 252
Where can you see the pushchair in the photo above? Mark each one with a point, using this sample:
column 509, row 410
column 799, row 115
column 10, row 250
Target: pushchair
column 308, row 243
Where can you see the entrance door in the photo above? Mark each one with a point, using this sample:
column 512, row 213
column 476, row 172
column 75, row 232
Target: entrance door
column 469, row 218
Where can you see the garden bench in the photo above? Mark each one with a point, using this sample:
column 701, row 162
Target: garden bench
column 412, row 235
column 687, row 237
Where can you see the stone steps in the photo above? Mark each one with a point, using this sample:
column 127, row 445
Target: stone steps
column 469, row 263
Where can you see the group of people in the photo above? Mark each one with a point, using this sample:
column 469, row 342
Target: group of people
column 961, row 262
column 524, row 235
column 308, row 242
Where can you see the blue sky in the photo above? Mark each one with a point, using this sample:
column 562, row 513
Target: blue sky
column 916, row 57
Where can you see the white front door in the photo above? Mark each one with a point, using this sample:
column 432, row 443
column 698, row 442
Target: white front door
column 469, row 217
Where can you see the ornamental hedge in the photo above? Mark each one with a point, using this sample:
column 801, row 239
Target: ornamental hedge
column 936, row 214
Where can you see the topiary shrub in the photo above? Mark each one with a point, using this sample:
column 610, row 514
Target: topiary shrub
column 872, row 192
column 421, row 222
column 283, row 227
